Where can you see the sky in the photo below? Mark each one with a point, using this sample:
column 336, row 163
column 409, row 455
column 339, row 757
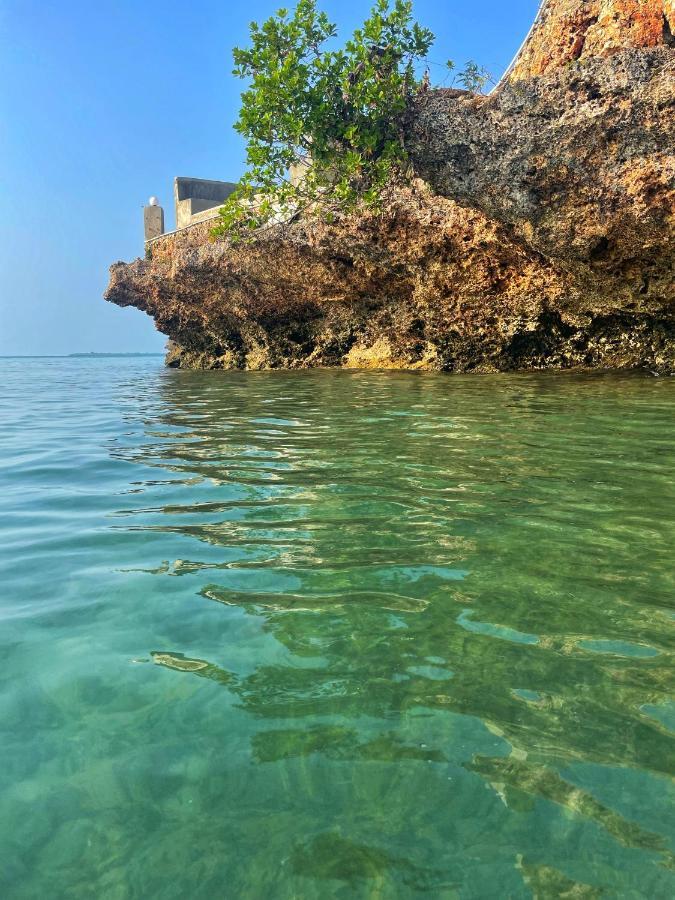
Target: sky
column 103, row 103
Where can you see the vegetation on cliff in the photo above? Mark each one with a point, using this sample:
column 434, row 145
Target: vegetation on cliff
column 342, row 108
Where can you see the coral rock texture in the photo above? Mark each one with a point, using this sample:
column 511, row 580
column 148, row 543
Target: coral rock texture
column 538, row 233
column 569, row 30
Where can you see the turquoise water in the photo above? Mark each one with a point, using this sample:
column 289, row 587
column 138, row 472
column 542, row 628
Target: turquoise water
column 327, row 634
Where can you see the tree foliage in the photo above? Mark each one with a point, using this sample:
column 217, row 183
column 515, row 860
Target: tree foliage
column 333, row 115
column 473, row 77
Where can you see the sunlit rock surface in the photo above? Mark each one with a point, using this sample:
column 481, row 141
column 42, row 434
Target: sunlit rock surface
column 570, row 30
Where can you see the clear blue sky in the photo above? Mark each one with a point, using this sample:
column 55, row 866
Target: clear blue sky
column 103, row 103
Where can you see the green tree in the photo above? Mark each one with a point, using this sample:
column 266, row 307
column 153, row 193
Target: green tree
column 336, row 114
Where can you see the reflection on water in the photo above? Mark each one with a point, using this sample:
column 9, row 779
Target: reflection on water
column 412, row 635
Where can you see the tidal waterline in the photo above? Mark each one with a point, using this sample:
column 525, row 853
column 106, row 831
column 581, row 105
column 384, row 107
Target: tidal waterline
column 332, row 634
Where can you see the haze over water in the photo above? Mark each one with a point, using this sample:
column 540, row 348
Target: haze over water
column 332, row 634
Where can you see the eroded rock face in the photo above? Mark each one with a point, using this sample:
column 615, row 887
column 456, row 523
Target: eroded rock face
column 580, row 165
column 540, row 233
column 428, row 284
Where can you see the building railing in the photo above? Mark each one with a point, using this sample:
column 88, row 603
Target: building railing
column 512, row 65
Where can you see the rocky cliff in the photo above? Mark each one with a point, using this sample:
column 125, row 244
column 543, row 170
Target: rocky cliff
column 539, row 231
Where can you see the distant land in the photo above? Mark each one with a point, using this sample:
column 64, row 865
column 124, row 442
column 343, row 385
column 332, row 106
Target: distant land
column 90, row 355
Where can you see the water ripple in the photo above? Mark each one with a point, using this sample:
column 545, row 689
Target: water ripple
column 404, row 635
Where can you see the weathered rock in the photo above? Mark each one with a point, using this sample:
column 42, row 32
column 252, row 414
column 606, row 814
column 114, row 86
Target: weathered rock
column 580, row 165
column 570, row 30
column 542, row 234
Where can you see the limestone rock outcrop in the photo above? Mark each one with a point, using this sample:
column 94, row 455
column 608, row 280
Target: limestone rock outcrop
column 538, row 233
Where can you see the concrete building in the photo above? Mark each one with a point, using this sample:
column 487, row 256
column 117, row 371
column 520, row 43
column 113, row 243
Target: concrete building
column 197, row 199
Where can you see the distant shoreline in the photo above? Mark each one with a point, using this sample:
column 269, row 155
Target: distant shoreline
column 74, row 355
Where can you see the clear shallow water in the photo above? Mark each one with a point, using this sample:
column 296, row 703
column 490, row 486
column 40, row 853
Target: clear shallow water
column 313, row 635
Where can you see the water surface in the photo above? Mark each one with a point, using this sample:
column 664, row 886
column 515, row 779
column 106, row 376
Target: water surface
column 329, row 634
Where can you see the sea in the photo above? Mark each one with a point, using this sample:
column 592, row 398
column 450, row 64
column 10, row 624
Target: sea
column 335, row 634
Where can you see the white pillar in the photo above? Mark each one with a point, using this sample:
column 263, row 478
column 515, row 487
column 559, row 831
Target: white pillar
column 153, row 220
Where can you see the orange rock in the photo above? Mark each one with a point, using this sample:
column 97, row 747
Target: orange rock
column 569, row 30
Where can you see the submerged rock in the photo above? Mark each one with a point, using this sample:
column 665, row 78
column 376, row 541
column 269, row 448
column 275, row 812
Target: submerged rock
column 538, row 233
column 178, row 661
